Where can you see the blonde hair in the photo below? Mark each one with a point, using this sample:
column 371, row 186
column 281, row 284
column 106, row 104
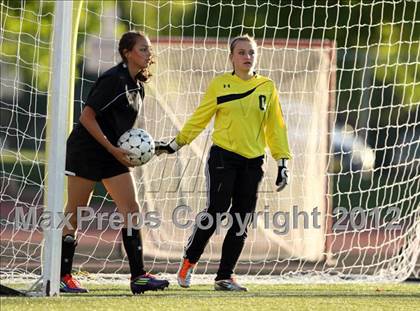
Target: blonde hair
column 244, row 37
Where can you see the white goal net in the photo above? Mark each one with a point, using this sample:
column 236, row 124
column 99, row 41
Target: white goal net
column 347, row 76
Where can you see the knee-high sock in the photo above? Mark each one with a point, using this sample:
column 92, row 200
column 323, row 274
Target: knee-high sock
column 68, row 248
column 134, row 248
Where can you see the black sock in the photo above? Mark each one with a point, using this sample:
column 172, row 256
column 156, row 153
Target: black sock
column 134, row 248
column 68, row 247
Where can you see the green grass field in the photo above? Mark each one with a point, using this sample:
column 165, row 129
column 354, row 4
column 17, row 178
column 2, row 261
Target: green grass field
column 259, row 297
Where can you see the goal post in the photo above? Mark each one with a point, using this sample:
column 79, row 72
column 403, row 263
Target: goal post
column 58, row 126
column 346, row 85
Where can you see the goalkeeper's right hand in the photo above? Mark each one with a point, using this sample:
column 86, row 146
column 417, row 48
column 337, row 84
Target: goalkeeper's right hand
column 282, row 175
column 166, row 147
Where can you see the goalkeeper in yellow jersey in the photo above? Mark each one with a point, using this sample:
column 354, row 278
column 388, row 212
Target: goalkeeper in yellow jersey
column 248, row 117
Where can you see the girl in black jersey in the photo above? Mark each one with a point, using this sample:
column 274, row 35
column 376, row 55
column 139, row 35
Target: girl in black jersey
column 111, row 109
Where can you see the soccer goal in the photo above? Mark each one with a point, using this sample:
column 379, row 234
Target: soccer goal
column 346, row 76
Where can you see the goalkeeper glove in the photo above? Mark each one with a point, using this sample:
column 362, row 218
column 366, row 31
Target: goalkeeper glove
column 282, row 175
column 166, row 147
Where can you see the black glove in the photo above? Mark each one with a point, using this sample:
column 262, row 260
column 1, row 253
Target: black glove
column 166, row 147
column 282, row 175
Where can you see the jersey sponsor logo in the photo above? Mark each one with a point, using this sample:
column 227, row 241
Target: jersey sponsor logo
column 231, row 97
column 263, row 102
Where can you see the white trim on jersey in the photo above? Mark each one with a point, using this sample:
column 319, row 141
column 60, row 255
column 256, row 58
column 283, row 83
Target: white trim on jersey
column 124, row 93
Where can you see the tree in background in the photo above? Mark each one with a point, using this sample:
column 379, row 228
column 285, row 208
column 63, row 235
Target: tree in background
column 380, row 36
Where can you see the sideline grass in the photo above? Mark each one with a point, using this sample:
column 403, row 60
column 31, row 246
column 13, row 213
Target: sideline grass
column 341, row 297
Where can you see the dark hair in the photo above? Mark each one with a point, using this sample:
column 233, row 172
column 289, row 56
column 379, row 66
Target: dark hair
column 244, row 37
column 127, row 42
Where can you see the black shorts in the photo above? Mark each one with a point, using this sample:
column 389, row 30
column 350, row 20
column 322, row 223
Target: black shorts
column 92, row 162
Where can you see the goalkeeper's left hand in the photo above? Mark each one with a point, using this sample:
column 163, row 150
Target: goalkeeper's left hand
column 282, row 175
column 166, row 147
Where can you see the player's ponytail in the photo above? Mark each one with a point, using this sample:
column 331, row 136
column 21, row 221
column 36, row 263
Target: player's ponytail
column 127, row 42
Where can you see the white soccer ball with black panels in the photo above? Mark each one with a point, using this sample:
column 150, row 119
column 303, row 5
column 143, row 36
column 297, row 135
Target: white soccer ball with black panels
column 140, row 144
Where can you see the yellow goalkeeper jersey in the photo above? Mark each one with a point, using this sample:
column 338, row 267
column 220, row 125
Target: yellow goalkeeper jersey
column 247, row 114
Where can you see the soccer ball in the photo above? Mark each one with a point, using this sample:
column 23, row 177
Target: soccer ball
column 140, row 144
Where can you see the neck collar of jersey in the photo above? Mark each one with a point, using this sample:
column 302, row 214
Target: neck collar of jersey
column 254, row 73
column 237, row 77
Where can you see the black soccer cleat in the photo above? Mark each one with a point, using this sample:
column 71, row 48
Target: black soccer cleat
column 147, row 282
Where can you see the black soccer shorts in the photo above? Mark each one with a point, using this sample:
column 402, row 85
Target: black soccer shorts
column 92, row 163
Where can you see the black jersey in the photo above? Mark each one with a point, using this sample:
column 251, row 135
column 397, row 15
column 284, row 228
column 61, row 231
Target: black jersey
column 117, row 99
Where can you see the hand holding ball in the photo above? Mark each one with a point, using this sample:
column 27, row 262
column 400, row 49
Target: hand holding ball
column 140, row 145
